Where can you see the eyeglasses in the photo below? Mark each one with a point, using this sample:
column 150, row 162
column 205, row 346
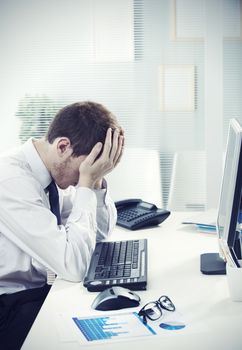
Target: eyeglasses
column 153, row 310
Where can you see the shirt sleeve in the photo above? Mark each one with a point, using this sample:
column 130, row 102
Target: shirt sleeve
column 26, row 220
column 106, row 213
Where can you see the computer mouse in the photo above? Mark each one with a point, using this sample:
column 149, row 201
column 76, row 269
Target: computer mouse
column 115, row 298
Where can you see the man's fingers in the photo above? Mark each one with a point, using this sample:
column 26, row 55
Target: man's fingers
column 108, row 143
column 90, row 159
column 120, row 149
column 115, row 145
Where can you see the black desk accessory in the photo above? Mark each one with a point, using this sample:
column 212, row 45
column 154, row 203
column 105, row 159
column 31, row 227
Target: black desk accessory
column 135, row 214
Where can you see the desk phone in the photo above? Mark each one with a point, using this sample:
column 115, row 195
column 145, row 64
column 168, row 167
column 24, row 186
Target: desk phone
column 134, row 214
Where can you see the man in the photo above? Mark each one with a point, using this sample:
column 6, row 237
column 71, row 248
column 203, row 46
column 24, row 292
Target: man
column 83, row 144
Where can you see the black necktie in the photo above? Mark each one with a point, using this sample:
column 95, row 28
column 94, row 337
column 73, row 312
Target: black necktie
column 54, row 201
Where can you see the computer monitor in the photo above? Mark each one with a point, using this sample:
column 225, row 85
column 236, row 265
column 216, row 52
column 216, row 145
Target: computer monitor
column 229, row 207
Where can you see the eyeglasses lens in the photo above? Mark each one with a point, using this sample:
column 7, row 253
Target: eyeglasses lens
column 152, row 311
column 166, row 303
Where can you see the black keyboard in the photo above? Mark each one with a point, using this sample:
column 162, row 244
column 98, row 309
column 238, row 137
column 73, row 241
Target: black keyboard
column 120, row 263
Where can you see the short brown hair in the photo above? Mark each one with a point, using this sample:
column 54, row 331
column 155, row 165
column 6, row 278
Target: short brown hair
column 84, row 123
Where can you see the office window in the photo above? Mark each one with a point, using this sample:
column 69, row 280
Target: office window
column 189, row 19
column 113, row 30
column 232, row 10
column 58, row 52
column 177, row 88
column 86, row 49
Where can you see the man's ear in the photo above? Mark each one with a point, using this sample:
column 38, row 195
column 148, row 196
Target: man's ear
column 64, row 147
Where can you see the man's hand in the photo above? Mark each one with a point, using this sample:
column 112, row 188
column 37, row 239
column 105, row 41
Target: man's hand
column 92, row 170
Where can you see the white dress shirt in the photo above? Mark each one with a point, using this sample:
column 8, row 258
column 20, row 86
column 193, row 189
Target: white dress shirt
column 30, row 239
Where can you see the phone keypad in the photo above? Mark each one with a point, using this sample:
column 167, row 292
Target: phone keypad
column 131, row 214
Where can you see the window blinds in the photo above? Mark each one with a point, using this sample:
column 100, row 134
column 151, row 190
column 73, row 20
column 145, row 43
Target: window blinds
column 110, row 51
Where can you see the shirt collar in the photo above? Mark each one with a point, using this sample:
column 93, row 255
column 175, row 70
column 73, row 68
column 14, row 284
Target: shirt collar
column 38, row 167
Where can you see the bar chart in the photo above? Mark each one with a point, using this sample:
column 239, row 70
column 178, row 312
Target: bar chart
column 112, row 327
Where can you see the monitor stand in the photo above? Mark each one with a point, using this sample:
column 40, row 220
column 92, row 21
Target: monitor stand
column 212, row 264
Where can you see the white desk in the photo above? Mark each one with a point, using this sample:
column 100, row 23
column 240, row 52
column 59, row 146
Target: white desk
column 213, row 320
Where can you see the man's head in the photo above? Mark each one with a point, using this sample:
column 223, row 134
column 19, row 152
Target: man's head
column 71, row 136
column 84, row 124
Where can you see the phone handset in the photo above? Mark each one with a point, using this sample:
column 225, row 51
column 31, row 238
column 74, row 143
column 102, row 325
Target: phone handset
column 127, row 202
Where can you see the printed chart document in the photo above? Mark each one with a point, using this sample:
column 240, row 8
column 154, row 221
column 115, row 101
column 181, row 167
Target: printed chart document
column 108, row 328
column 112, row 327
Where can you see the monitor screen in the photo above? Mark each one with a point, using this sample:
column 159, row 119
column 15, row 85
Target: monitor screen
column 229, row 207
column 230, row 194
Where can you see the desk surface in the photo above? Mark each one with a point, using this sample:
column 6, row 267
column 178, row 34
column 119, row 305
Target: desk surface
column 213, row 320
